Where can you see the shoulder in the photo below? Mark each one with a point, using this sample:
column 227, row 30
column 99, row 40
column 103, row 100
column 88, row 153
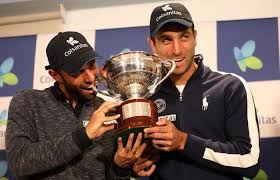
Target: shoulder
column 238, row 87
column 225, row 78
column 25, row 96
column 228, row 83
column 30, row 93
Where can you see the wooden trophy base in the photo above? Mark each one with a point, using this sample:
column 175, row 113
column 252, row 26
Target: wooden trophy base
column 136, row 115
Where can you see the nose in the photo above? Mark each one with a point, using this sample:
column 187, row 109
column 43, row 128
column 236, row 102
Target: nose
column 177, row 47
column 90, row 76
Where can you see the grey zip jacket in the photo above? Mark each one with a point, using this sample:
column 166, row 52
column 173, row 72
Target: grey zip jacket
column 46, row 140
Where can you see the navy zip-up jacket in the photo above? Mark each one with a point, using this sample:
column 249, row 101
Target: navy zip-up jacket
column 217, row 112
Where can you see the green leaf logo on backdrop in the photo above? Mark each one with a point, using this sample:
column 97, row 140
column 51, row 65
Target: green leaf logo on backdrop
column 7, row 77
column 3, row 117
column 244, row 56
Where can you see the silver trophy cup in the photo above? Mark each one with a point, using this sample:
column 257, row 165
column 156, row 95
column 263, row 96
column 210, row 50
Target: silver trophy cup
column 132, row 77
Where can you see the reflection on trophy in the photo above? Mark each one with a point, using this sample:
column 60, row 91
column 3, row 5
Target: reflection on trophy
column 132, row 77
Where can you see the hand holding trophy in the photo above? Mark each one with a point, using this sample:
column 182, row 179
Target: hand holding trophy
column 132, row 77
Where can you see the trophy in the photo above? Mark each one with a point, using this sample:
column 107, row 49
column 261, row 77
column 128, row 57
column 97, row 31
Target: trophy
column 132, row 77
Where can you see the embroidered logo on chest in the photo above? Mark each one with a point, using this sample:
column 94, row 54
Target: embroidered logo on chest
column 85, row 123
column 205, row 103
column 161, row 105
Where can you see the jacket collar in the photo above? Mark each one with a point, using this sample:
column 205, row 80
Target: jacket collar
column 196, row 75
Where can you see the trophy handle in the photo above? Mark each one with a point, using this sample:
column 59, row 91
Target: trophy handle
column 117, row 98
column 166, row 63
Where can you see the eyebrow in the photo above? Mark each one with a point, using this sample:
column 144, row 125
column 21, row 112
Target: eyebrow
column 162, row 36
column 185, row 32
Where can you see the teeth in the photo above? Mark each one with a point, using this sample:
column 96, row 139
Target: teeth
column 93, row 87
column 178, row 59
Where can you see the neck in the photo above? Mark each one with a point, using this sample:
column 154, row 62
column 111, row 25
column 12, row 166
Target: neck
column 66, row 94
column 182, row 79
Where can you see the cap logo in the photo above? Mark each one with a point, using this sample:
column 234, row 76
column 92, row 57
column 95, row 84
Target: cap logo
column 166, row 14
column 166, row 7
column 72, row 41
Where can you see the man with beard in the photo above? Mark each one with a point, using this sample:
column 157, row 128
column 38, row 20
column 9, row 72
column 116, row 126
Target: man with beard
column 61, row 132
column 208, row 127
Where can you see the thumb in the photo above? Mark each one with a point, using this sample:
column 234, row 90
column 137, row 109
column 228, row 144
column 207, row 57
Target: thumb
column 162, row 121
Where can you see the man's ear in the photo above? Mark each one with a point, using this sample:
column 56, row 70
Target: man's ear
column 152, row 44
column 55, row 75
column 194, row 35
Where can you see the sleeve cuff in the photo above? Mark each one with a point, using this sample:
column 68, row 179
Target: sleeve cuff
column 194, row 147
column 122, row 172
column 81, row 139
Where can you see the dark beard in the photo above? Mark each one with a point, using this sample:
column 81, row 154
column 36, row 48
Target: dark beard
column 76, row 94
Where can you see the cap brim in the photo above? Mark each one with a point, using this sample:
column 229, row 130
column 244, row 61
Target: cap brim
column 75, row 66
column 180, row 21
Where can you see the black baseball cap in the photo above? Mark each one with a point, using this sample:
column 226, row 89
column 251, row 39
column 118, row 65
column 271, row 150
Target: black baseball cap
column 172, row 12
column 69, row 51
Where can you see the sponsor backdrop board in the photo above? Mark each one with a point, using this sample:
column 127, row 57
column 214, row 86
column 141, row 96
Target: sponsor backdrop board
column 249, row 48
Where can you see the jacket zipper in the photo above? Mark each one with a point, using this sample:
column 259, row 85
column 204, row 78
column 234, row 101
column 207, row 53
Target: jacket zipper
column 179, row 123
column 181, row 97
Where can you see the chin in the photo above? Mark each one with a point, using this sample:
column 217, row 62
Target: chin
column 178, row 72
column 90, row 97
column 87, row 97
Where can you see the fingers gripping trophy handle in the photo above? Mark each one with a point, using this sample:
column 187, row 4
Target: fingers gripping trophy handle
column 166, row 63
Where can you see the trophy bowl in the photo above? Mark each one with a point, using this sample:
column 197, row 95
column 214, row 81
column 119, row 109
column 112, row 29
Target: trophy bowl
column 132, row 77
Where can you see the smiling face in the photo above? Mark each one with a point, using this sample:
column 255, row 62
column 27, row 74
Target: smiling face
column 176, row 42
column 78, row 86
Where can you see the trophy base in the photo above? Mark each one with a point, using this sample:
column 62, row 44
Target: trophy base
column 125, row 135
column 136, row 115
